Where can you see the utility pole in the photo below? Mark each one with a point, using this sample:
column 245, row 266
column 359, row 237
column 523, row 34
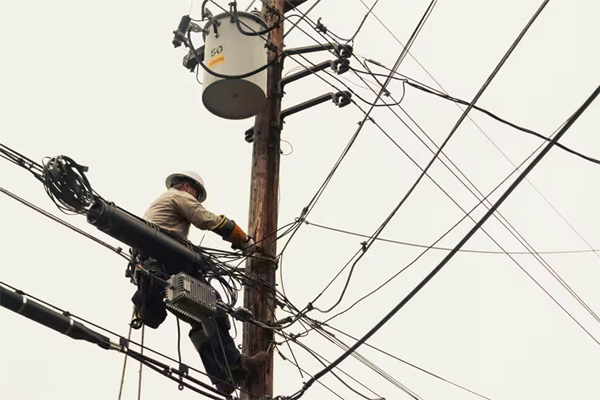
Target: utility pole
column 260, row 299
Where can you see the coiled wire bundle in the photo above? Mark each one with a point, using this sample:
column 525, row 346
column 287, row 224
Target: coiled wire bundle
column 65, row 182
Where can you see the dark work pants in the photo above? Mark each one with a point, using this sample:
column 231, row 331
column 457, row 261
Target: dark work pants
column 219, row 354
column 216, row 351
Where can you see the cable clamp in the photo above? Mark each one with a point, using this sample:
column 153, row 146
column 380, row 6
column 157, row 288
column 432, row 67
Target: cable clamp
column 320, row 27
column 24, row 304
column 70, row 328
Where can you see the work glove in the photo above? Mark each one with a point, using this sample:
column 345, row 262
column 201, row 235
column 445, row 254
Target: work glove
column 248, row 247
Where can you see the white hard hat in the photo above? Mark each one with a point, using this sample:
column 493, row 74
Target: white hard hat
column 191, row 175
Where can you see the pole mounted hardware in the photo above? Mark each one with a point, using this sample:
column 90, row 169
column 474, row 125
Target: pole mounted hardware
column 340, row 99
column 342, row 50
column 185, row 25
column 338, row 66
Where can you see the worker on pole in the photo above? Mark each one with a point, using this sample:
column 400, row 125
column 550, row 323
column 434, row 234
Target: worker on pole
column 175, row 211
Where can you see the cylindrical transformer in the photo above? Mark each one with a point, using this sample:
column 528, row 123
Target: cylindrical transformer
column 227, row 51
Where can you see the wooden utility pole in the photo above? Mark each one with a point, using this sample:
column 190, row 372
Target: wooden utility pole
column 264, row 192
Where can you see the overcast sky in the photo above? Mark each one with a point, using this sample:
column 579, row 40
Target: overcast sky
column 100, row 82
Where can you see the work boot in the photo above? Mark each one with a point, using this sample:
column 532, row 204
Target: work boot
column 224, row 387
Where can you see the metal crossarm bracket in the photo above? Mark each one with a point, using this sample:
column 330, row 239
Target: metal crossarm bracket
column 340, row 99
column 343, row 51
column 338, row 66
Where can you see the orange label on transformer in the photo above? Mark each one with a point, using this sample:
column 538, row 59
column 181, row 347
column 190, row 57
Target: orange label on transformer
column 216, row 61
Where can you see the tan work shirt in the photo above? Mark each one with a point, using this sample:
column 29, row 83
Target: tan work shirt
column 175, row 210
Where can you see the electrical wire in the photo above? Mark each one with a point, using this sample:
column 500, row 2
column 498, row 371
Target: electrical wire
column 304, row 15
column 430, row 90
column 304, row 371
column 446, row 248
column 484, row 134
column 164, row 369
column 504, row 222
column 372, row 239
column 363, row 360
column 512, row 230
column 406, row 362
column 117, row 250
column 309, row 207
column 460, row 244
column 363, row 22
column 449, row 256
column 323, row 361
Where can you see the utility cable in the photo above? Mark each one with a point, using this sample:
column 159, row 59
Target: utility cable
column 537, row 159
column 304, row 371
column 164, row 369
column 370, row 242
column 445, row 248
column 477, row 226
column 407, row 363
column 308, row 208
column 117, row 250
column 323, row 361
column 301, row 17
column 429, row 90
column 447, row 232
column 363, row 22
column 363, row 360
column 484, row 134
column 511, row 229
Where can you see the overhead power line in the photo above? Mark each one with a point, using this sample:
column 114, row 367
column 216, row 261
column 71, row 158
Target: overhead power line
column 483, row 133
column 371, row 240
column 429, row 90
column 446, row 248
column 474, row 229
column 460, row 244
column 45, row 213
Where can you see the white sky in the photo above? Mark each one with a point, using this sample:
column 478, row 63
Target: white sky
column 99, row 81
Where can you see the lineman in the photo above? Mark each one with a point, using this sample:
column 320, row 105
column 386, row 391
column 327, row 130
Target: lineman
column 174, row 211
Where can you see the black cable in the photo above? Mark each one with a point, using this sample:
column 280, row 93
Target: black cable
column 363, row 360
column 117, row 250
column 446, row 248
column 253, row 32
column 499, row 217
column 323, row 361
column 308, row 208
column 429, row 90
column 407, row 363
column 444, row 235
column 363, row 22
column 541, row 155
column 167, row 372
column 164, row 367
column 484, row 134
column 383, row 88
column 371, row 240
column 480, row 92
column 295, row 364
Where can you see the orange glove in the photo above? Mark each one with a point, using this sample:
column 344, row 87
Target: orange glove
column 232, row 232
